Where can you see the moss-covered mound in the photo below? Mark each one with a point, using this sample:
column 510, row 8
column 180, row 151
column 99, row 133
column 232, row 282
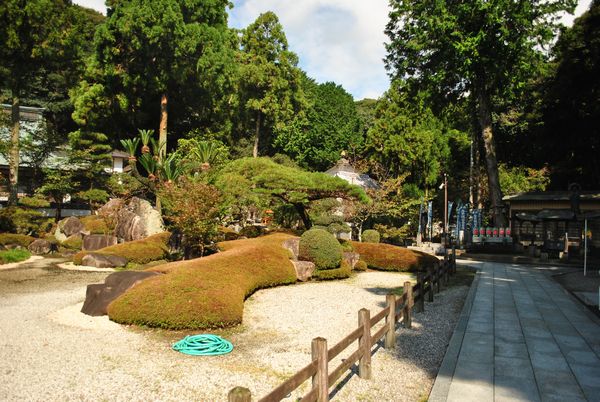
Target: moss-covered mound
column 95, row 224
column 343, row 272
column 143, row 251
column 206, row 292
column 15, row 239
column 392, row 258
column 321, row 247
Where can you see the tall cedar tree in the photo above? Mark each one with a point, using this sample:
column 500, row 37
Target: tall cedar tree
column 479, row 48
column 36, row 36
column 150, row 50
column 270, row 81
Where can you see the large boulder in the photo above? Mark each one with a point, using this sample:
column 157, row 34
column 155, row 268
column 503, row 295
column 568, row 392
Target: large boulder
column 96, row 242
column 40, row 247
column 304, row 270
column 138, row 220
column 293, row 245
column 103, row 260
column 71, row 226
column 99, row 296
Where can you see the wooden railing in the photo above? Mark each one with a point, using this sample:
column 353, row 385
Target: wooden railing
column 397, row 309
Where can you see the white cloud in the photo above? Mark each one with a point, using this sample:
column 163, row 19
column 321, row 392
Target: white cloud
column 336, row 40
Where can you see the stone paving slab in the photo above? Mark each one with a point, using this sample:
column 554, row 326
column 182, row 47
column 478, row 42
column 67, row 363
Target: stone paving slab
column 521, row 337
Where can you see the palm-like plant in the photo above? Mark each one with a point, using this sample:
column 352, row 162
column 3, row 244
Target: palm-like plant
column 146, row 136
column 206, row 153
column 157, row 148
column 170, row 169
column 150, row 165
column 130, row 146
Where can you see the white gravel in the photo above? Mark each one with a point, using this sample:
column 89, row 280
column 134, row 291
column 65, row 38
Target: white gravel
column 51, row 351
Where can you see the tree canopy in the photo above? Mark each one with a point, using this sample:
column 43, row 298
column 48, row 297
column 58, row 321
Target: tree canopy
column 479, row 49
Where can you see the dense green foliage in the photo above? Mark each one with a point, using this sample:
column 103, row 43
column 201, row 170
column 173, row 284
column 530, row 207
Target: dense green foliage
column 321, row 248
column 206, row 292
column 15, row 255
column 370, row 236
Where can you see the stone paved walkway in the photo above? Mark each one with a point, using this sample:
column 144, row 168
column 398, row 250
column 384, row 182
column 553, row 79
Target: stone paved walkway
column 523, row 338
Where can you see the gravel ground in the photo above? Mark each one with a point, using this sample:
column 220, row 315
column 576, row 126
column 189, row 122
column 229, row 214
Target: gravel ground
column 50, row 351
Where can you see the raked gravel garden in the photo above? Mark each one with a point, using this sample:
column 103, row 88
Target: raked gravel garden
column 51, row 351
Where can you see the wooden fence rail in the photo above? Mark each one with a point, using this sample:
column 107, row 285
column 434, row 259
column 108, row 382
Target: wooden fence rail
column 398, row 309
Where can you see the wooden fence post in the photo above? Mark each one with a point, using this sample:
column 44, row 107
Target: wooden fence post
column 320, row 379
column 364, row 365
column 430, row 285
column 437, row 277
column 239, row 394
column 408, row 304
column 390, row 321
column 421, row 285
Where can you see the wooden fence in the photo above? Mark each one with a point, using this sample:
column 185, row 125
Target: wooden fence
column 398, row 308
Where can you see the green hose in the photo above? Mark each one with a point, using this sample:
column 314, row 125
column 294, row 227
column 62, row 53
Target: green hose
column 203, row 345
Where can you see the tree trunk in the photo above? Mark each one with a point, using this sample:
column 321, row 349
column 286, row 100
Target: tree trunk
column 58, row 210
column 13, row 164
column 303, row 215
column 485, row 123
column 162, row 127
column 257, row 135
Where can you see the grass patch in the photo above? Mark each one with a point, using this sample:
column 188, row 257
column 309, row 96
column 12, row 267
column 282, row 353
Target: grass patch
column 15, row 239
column 15, row 255
column 206, row 292
column 142, row 251
column 386, row 257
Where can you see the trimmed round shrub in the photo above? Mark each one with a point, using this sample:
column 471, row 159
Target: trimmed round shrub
column 370, row 236
column 360, row 266
column 252, row 231
column 320, row 247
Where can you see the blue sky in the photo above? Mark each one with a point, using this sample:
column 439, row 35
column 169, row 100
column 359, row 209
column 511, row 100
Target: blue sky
column 336, row 40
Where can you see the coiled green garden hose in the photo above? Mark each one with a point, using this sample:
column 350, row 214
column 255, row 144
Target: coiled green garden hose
column 203, row 345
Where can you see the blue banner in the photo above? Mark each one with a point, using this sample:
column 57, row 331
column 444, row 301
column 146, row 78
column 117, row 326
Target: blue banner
column 430, row 219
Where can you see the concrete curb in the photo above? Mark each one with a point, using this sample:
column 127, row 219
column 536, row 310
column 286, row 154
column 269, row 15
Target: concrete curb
column 441, row 386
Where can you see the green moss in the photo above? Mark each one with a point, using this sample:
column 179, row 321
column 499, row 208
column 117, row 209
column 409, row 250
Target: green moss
column 392, row 258
column 15, row 255
column 360, row 266
column 95, row 224
column 73, row 243
column 320, row 247
column 370, row 236
column 15, row 239
column 142, row 251
column 206, row 292
column 344, row 271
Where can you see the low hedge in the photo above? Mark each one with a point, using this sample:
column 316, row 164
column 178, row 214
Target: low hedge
column 392, row 258
column 370, row 236
column 206, row 292
column 321, row 247
column 344, row 271
column 15, row 239
column 8, row 256
column 142, row 251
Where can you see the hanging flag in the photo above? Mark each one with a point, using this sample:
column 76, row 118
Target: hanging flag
column 430, row 219
column 450, row 205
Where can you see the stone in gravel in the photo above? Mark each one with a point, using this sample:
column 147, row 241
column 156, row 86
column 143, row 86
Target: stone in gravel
column 103, row 260
column 97, row 241
column 304, row 270
column 294, row 246
column 351, row 258
column 40, row 247
column 98, row 296
column 71, row 226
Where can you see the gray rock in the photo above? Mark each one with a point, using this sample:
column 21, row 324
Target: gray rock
column 104, row 260
column 99, row 296
column 97, row 241
column 351, row 258
column 304, row 270
column 40, row 247
column 59, row 235
column 138, row 220
column 294, row 246
column 71, row 226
